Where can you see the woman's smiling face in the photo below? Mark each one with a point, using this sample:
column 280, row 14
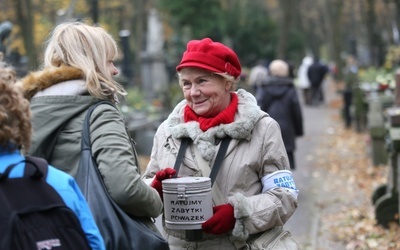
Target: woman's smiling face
column 207, row 94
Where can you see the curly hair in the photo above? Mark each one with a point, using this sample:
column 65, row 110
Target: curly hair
column 15, row 124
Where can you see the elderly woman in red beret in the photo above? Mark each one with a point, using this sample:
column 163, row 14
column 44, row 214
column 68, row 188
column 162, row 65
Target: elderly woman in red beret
column 253, row 190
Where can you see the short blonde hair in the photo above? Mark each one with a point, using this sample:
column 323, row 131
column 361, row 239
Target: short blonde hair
column 15, row 124
column 87, row 48
column 279, row 68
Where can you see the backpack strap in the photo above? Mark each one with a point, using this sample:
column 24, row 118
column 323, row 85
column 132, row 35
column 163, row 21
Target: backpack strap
column 39, row 164
column 35, row 168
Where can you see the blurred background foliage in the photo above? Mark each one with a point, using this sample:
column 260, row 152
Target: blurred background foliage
column 255, row 29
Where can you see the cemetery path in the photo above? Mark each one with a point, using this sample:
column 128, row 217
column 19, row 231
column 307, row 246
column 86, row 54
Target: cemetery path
column 336, row 180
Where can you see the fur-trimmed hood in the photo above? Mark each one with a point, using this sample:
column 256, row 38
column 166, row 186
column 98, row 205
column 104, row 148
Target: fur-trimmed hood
column 248, row 114
column 40, row 80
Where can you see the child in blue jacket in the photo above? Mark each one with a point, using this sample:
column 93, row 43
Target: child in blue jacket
column 15, row 132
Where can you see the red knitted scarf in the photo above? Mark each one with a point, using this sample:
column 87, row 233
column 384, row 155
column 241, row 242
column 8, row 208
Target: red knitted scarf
column 224, row 117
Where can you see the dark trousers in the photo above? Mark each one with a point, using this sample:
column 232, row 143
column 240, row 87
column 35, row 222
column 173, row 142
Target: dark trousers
column 291, row 159
column 317, row 95
column 347, row 100
column 307, row 96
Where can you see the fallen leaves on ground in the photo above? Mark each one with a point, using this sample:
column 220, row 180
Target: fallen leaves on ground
column 347, row 214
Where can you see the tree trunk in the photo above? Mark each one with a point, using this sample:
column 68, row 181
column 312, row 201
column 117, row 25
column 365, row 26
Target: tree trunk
column 23, row 9
column 286, row 7
column 374, row 39
column 139, row 26
column 333, row 12
column 397, row 3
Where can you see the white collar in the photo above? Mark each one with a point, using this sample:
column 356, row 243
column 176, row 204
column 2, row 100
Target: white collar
column 72, row 87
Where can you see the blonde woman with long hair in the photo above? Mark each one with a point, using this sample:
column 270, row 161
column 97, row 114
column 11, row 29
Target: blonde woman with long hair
column 77, row 72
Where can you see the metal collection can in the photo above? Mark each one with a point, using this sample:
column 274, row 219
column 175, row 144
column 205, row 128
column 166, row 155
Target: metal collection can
column 187, row 202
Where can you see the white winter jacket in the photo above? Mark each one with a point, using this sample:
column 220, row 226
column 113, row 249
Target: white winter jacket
column 256, row 150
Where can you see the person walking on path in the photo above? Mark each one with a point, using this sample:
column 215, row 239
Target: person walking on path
column 258, row 75
column 211, row 111
column 15, row 133
column 304, row 81
column 278, row 97
column 78, row 72
column 350, row 83
column 316, row 74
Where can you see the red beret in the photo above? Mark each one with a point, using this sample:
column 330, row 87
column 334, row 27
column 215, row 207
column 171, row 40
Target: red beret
column 212, row 56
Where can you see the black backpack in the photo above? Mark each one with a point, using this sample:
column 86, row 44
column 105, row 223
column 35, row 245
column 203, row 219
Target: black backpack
column 33, row 215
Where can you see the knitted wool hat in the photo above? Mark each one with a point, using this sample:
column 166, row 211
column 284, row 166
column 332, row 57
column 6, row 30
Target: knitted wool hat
column 279, row 68
column 212, row 56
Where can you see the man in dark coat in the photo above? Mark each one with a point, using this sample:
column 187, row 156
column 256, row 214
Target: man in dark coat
column 316, row 74
column 350, row 80
column 278, row 97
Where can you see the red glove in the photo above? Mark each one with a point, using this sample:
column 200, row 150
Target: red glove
column 162, row 175
column 221, row 222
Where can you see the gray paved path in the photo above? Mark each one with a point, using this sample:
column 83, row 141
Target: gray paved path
column 304, row 224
